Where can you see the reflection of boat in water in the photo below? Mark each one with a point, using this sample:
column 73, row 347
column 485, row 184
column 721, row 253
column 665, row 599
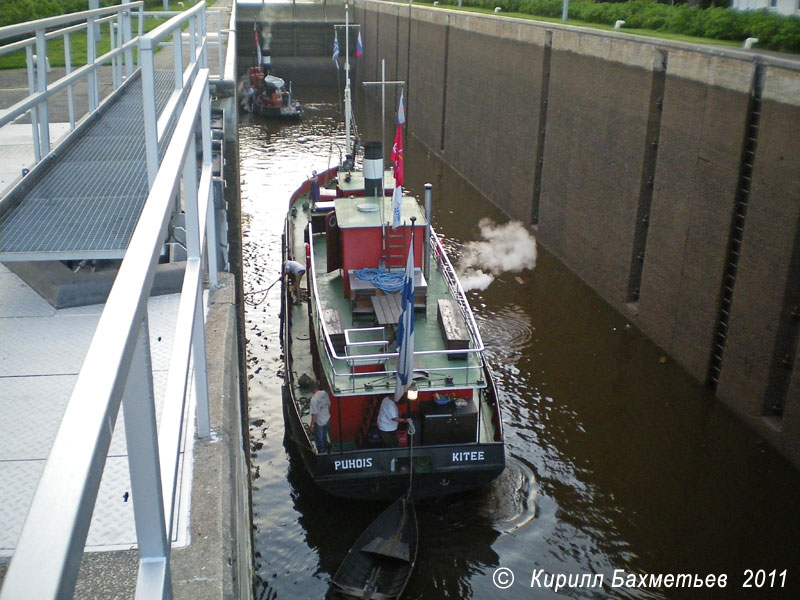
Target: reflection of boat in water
column 267, row 95
column 381, row 561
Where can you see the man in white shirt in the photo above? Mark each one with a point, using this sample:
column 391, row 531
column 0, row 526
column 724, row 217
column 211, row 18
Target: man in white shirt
column 295, row 270
column 320, row 409
column 388, row 418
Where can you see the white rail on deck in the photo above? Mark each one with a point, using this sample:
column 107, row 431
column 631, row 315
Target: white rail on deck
column 117, row 368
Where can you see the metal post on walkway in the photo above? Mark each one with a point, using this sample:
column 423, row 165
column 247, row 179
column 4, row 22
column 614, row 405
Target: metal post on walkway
column 147, row 59
column 177, row 51
column 126, row 37
column 138, row 407
column 91, row 58
column 116, row 67
column 37, row 150
column 194, row 252
column 212, row 243
column 42, row 110
column 204, row 36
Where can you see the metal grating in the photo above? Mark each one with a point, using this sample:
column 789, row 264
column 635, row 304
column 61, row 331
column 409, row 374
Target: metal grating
column 87, row 202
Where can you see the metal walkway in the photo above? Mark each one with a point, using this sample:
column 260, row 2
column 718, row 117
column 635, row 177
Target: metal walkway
column 86, row 202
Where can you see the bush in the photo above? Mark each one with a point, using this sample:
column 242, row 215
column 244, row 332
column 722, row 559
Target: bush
column 775, row 32
column 19, row 11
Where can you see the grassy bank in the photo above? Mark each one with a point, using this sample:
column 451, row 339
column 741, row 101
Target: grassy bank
column 719, row 26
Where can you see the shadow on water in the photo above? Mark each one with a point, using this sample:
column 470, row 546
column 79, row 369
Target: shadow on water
column 616, row 458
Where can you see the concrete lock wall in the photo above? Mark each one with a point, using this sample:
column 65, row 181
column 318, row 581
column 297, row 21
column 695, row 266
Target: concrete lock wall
column 666, row 176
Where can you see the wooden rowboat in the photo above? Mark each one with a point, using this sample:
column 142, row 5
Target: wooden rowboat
column 380, row 562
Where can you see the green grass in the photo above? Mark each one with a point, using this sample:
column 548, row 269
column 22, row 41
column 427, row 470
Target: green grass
column 575, row 23
column 79, row 42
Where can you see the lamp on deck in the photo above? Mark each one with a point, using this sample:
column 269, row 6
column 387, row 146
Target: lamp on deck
column 412, row 392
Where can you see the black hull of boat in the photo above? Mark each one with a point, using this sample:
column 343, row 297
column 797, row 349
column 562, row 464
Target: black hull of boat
column 382, row 473
column 276, row 113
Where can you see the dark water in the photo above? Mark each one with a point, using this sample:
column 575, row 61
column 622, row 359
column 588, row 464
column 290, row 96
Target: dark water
column 616, row 459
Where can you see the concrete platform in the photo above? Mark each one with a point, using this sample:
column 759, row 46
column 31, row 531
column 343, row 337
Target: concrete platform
column 41, row 353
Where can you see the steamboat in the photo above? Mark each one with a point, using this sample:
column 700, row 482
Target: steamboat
column 379, row 316
column 342, row 332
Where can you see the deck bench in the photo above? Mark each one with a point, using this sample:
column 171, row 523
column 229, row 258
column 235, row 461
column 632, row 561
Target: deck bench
column 454, row 328
column 333, row 323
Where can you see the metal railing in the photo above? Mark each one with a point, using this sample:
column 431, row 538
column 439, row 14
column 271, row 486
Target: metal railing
column 121, row 58
column 381, row 357
column 117, row 369
column 40, row 90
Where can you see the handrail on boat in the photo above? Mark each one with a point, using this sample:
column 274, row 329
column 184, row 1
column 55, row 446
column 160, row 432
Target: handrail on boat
column 455, row 287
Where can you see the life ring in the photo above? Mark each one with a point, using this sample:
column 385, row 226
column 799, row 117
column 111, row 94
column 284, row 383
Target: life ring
column 332, row 220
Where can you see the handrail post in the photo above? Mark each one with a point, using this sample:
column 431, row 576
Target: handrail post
column 211, row 217
column 138, row 408
column 192, row 40
column 113, row 32
column 201, row 369
column 203, row 22
column 219, row 44
column 37, row 149
column 70, row 91
column 146, row 54
column 126, row 37
column 177, row 50
column 195, row 253
column 91, row 58
column 42, row 109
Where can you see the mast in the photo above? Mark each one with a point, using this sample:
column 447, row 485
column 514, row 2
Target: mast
column 348, row 98
column 347, row 101
column 382, row 84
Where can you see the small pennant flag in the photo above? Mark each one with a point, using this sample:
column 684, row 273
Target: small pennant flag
column 258, row 43
column 397, row 157
column 359, row 47
column 336, row 49
column 401, row 111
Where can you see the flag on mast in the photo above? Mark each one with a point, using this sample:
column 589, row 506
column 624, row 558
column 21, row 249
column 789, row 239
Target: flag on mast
column 336, row 48
column 405, row 332
column 359, row 46
column 258, row 43
column 399, row 166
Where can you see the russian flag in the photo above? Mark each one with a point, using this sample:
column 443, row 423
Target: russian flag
column 405, row 332
column 359, row 47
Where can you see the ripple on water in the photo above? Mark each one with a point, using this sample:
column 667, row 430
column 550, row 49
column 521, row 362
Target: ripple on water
column 506, row 331
column 511, row 501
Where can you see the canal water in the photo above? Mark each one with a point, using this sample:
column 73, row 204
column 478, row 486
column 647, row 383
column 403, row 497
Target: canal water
column 619, row 466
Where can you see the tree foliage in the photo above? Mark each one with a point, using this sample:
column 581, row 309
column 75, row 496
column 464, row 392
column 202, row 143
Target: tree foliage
column 774, row 32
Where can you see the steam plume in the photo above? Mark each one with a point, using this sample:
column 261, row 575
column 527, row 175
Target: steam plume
column 502, row 248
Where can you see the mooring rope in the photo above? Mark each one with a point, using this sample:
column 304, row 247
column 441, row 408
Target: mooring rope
column 387, row 281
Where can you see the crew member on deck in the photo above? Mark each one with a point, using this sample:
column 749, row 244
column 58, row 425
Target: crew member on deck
column 388, row 418
column 320, row 409
column 295, row 271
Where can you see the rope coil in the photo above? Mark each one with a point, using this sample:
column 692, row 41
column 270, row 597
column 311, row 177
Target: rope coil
column 386, row 281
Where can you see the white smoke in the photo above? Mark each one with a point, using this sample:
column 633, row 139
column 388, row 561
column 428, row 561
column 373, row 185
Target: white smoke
column 502, row 248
